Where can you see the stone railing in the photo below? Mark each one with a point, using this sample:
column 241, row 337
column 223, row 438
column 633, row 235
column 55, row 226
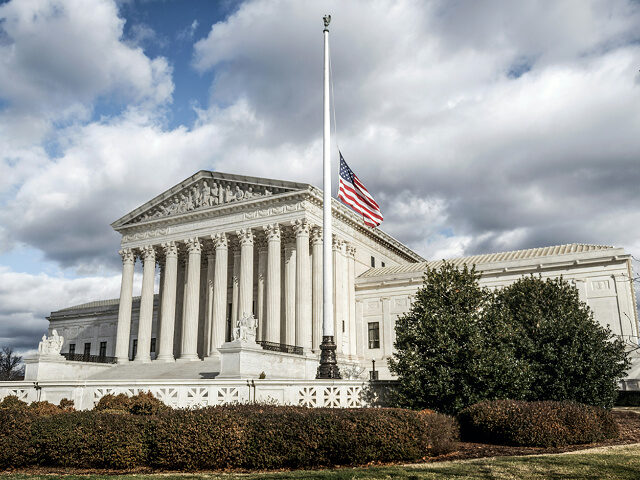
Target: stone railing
column 279, row 347
column 200, row 393
column 78, row 357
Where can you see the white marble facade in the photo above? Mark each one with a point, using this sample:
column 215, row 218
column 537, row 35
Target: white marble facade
column 217, row 246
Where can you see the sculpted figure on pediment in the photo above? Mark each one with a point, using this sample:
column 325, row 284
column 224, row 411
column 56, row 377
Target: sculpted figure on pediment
column 228, row 195
column 239, row 194
column 204, row 194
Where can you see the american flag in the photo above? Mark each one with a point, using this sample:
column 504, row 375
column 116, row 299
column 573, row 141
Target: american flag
column 353, row 193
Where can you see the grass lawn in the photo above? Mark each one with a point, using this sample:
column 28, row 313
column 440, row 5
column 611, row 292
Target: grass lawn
column 617, row 462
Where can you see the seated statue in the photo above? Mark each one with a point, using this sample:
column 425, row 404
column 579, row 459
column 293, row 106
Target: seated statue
column 245, row 329
column 51, row 345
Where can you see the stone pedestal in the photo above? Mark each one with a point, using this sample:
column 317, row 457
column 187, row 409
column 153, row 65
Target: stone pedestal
column 240, row 359
column 56, row 367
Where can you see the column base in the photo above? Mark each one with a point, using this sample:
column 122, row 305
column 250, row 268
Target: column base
column 188, row 358
column 142, row 360
column 167, row 359
column 328, row 368
column 121, row 360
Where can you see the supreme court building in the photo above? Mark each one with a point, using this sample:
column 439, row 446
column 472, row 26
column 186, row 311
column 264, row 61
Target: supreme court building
column 218, row 248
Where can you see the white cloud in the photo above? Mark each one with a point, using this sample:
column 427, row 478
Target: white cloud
column 57, row 57
column 479, row 126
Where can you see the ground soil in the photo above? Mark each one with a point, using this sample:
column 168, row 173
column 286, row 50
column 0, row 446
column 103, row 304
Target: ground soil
column 628, row 420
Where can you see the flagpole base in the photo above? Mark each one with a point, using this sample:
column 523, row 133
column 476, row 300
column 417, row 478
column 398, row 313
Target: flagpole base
column 328, row 368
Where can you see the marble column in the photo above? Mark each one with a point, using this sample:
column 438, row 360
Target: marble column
column 235, row 286
column 351, row 297
column 260, row 294
column 245, row 290
column 124, row 313
column 316, row 288
column 209, row 344
column 181, row 286
column 303, row 285
column 192, row 302
column 219, row 292
column 338, row 291
column 168, row 312
column 272, row 326
column 146, row 305
column 161, row 266
column 289, row 294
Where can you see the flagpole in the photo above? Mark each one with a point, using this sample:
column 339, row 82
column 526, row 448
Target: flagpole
column 328, row 367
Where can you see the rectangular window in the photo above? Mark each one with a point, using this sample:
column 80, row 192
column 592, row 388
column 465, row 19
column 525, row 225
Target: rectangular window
column 72, row 349
column 374, row 335
column 103, row 349
column 87, row 349
column 342, row 326
column 135, row 349
column 373, row 262
column 382, row 264
column 153, row 345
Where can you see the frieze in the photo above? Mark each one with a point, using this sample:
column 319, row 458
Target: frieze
column 145, row 235
column 205, row 194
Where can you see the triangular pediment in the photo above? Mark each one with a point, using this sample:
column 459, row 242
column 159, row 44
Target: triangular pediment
column 207, row 190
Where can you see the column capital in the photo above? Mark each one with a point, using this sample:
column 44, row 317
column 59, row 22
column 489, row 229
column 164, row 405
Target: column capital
column 337, row 243
column 351, row 250
column 148, row 253
column 273, row 232
column 170, row 249
column 245, row 236
column 193, row 245
column 301, row 227
column 127, row 255
column 220, row 240
column 316, row 235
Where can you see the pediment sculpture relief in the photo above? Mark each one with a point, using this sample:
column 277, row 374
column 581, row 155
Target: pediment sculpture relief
column 204, row 194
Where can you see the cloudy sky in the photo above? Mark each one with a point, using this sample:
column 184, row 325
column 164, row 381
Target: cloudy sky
column 479, row 126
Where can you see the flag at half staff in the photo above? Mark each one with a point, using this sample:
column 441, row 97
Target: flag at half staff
column 353, row 193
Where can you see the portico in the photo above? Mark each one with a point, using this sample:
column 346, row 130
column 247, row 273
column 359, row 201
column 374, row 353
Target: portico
column 226, row 245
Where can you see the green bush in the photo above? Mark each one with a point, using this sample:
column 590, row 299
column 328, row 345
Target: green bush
column 543, row 424
column 15, row 435
column 13, row 402
column 143, row 403
column 261, row 437
column 460, row 344
column 90, row 439
column 222, row 437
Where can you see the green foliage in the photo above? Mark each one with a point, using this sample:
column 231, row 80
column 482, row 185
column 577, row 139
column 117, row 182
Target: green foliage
column 235, row 436
column 12, row 402
column 143, row 403
column 570, row 355
column 91, row 439
column 449, row 353
column 533, row 340
column 536, row 424
column 15, row 435
column 267, row 436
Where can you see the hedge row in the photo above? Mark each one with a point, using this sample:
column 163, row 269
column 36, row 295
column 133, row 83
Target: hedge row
column 221, row 437
column 544, row 424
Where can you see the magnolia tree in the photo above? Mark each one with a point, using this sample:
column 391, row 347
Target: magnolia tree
column 533, row 340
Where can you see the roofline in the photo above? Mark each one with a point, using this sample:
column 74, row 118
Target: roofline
column 208, row 174
column 525, row 265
